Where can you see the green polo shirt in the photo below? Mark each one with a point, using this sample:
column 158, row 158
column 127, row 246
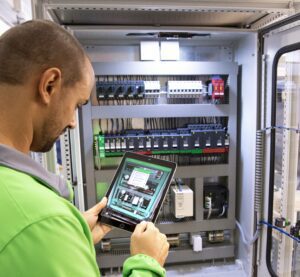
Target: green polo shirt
column 43, row 234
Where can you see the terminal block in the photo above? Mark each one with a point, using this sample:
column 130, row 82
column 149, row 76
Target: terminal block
column 185, row 89
column 194, row 139
column 152, row 89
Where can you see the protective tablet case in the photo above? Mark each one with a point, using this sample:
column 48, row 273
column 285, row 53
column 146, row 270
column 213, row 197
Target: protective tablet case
column 137, row 191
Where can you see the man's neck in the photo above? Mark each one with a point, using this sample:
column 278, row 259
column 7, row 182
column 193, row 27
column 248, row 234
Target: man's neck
column 15, row 134
column 20, row 146
column 15, row 123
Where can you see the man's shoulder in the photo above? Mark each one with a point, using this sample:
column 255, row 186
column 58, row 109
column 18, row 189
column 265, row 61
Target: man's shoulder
column 23, row 201
column 29, row 196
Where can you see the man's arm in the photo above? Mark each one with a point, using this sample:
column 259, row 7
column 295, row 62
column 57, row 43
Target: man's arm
column 149, row 249
column 141, row 265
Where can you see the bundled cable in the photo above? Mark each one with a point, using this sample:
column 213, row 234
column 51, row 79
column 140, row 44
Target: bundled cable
column 245, row 241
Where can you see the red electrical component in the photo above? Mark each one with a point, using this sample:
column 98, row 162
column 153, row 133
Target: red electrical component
column 217, row 88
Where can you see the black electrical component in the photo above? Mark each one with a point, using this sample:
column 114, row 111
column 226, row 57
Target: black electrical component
column 281, row 222
column 145, row 203
column 295, row 230
column 215, row 198
column 128, row 197
column 141, row 90
column 130, row 91
column 110, row 91
column 118, row 90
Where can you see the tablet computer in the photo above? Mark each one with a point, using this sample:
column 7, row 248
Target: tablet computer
column 137, row 191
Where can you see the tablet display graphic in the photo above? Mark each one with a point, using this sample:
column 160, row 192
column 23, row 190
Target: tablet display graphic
column 137, row 190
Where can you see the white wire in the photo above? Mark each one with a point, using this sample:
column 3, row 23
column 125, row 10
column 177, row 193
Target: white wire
column 247, row 242
column 223, row 211
column 209, row 213
column 208, row 205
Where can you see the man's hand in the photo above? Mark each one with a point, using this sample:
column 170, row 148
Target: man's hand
column 91, row 216
column 146, row 239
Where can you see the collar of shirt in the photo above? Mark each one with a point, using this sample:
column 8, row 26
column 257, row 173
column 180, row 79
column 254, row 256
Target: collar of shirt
column 16, row 160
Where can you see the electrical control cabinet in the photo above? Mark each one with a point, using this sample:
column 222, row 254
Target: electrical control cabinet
column 200, row 136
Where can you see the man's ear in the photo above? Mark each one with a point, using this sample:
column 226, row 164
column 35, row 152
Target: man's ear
column 50, row 83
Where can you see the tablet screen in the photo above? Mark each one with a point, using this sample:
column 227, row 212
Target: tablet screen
column 138, row 188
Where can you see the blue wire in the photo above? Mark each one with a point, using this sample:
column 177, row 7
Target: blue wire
column 179, row 186
column 279, row 230
column 282, row 128
column 179, row 183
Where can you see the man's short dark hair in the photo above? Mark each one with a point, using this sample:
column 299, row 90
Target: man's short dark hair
column 35, row 46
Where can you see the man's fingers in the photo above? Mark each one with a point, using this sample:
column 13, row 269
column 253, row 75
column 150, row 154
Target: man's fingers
column 105, row 228
column 98, row 207
column 150, row 226
column 140, row 228
column 99, row 231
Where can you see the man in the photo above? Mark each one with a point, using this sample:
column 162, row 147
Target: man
column 44, row 77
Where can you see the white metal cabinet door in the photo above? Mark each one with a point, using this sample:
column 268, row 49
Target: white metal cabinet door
column 280, row 123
